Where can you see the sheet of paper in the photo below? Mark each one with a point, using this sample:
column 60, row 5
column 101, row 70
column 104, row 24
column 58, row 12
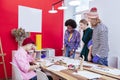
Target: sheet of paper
column 114, row 71
column 69, row 61
column 89, row 64
column 66, row 60
column 56, row 68
column 108, row 70
column 87, row 74
column 44, row 62
column 48, row 63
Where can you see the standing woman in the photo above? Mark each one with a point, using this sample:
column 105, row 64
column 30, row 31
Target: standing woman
column 71, row 38
column 87, row 36
column 100, row 46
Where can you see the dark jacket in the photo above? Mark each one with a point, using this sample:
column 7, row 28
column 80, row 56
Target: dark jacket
column 87, row 36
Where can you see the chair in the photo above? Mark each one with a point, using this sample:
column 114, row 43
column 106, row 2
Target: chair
column 16, row 72
column 41, row 75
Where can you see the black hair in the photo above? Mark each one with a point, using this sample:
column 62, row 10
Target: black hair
column 71, row 22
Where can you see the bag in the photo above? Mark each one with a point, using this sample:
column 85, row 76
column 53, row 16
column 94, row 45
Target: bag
column 95, row 59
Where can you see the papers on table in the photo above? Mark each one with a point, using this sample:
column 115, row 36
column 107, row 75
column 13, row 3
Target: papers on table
column 66, row 60
column 89, row 64
column 108, row 70
column 69, row 61
column 114, row 71
column 87, row 74
column 48, row 63
column 57, row 68
column 73, row 62
column 44, row 62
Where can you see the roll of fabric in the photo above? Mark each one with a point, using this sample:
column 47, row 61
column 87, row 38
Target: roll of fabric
column 38, row 41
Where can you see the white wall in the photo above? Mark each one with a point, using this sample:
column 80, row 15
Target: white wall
column 73, row 13
column 110, row 15
column 68, row 14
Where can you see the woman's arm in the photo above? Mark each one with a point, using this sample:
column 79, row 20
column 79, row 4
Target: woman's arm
column 87, row 36
column 90, row 53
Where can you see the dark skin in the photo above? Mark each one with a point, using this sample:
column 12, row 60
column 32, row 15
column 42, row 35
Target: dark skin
column 70, row 29
column 71, row 52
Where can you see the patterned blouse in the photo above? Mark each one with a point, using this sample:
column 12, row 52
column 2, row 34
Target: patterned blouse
column 72, row 42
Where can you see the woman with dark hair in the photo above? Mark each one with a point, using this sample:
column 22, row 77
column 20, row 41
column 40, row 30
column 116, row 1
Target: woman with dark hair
column 71, row 38
column 87, row 36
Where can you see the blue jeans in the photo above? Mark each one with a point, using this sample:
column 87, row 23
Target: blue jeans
column 34, row 78
column 67, row 54
column 103, row 61
column 98, row 60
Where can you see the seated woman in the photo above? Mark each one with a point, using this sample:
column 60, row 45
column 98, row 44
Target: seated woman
column 22, row 59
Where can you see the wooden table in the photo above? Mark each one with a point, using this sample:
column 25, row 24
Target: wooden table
column 102, row 73
column 67, row 74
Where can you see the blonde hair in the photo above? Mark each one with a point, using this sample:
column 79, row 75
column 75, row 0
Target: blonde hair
column 84, row 21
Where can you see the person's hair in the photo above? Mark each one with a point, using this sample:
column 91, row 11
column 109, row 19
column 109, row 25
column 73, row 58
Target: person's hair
column 71, row 22
column 84, row 21
column 96, row 21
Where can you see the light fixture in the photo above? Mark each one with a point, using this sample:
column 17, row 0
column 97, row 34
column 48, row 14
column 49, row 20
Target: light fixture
column 74, row 2
column 90, row 0
column 62, row 7
column 52, row 10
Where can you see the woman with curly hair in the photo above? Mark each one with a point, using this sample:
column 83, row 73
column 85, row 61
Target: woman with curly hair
column 71, row 38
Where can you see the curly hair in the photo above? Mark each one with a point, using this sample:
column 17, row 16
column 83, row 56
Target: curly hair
column 71, row 22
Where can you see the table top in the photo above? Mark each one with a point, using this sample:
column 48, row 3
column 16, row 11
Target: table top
column 102, row 72
column 67, row 74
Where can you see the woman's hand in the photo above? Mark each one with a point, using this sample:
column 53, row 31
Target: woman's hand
column 64, row 50
column 71, row 53
column 90, row 53
column 32, row 63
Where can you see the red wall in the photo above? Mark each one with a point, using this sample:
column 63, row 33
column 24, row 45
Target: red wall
column 52, row 27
